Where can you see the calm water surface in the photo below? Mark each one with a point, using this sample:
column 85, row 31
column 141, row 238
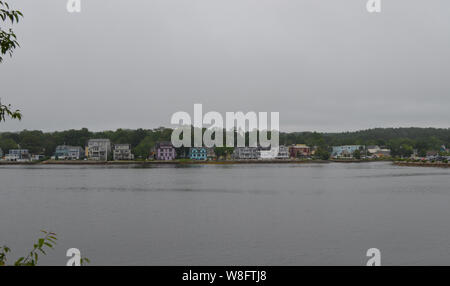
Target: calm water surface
column 286, row 214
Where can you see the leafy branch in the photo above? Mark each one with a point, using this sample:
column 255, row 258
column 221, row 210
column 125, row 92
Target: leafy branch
column 3, row 252
column 8, row 39
column 84, row 261
column 6, row 110
column 8, row 43
column 49, row 241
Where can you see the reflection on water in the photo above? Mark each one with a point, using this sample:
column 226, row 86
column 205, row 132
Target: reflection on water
column 293, row 214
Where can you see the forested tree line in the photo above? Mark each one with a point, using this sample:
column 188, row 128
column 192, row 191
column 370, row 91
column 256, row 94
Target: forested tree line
column 401, row 141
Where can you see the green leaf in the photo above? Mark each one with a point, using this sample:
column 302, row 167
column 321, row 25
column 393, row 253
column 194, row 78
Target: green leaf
column 19, row 261
column 48, row 244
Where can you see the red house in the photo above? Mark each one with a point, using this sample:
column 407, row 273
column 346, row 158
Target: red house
column 299, row 151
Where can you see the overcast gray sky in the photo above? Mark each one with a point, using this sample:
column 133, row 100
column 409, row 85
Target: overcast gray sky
column 325, row 65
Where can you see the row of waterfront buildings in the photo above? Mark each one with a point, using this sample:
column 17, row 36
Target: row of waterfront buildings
column 96, row 149
column 349, row 151
column 166, row 151
column 104, row 150
column 19, row 155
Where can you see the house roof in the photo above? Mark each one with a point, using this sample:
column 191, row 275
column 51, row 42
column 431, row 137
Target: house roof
column 300, row 146
column 373, row 147
column 164, row 144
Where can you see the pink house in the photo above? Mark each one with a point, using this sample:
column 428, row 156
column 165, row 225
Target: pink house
column 165, row 151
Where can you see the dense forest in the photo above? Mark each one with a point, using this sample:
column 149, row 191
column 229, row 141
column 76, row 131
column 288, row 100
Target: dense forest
column 402, row 141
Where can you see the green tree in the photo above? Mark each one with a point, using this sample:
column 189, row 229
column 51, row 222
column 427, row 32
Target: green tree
column 7, row 144
column 223, row 152
column 422, row 153
column 406, row 150
column 33, row 141
column 357, row 154
column 143, row 149
column 8, row 43
column 435, row 143
column 322, row 153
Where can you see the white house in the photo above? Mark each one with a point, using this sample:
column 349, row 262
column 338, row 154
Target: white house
column 122, row 152
column 99, row 149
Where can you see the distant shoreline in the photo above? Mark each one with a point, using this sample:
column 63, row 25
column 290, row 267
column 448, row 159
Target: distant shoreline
column 228, row 162
column 171, row 162
column 422, row 164
column 186, row 162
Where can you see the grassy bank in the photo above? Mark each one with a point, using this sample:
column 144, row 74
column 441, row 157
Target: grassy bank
column 422, row 164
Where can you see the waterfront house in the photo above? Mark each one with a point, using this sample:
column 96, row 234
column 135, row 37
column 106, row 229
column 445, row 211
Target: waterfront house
column 122, row 152
column 37, row 157
column 268, row 153
column 18, row 155
column 165, row 151
column 65, row 152
column 299, row 151
column 314, row 150
column 372, row 149
column 382, row 153
column 283, row 152
column 211, row 154
column 99, row 149
column 198, row 153
column 432, row 155
column 346, row 151
column 246, row 153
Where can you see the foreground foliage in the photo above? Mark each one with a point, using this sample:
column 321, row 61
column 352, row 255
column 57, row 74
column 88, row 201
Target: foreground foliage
column 6, row 110
column 8, row 43
column 8, row 40
column 44, row 243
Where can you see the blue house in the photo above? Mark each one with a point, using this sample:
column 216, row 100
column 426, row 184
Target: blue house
column 198, row 153
column 64, row 152
column 345, row 151
column 18, row 155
